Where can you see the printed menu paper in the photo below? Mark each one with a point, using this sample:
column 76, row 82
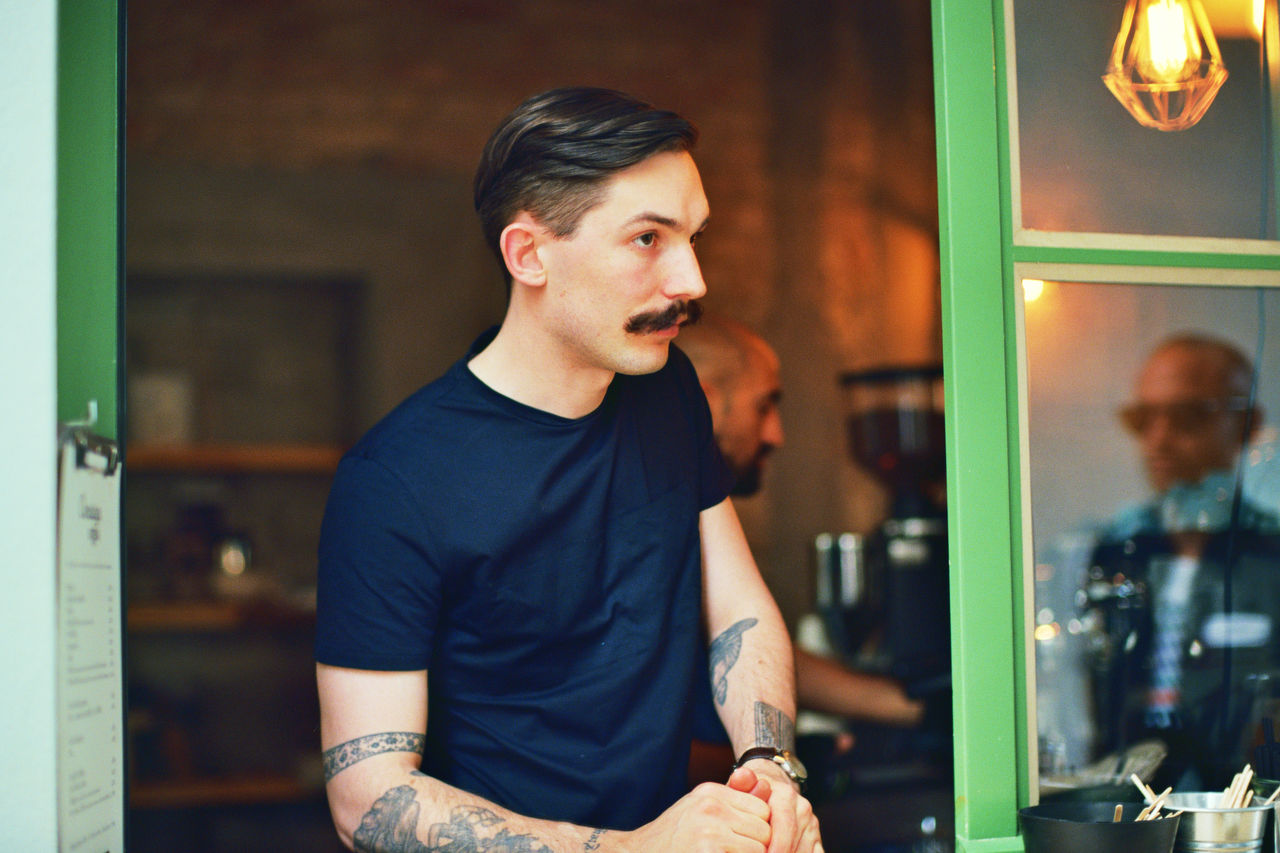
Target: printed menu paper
column 91, row 785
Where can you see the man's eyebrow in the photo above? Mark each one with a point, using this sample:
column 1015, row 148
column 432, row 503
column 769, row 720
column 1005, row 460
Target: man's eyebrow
column 659, row 219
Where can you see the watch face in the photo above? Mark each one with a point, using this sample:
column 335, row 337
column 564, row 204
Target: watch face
column 790, row 763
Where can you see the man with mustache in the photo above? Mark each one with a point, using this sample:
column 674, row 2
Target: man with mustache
column 517, row 564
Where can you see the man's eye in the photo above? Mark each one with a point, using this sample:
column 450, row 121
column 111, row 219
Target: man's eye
column 647, row 239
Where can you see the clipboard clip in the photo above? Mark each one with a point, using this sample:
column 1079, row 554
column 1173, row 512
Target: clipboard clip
column 92, row 451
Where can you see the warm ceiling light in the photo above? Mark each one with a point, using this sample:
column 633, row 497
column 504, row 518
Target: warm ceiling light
column 1165, row 67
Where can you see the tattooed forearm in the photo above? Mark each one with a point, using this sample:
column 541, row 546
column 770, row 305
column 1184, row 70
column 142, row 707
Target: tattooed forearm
column 342, row 756
column 472, row 829
column 593, row 843
column 391, row 827
column 724, row 653
column 774, row 728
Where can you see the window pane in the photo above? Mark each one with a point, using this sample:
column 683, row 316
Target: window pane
column 1156, row 538
column 1086, row 165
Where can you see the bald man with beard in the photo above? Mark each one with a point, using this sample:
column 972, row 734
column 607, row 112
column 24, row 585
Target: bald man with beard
column 741, row 376
column 1186, row 584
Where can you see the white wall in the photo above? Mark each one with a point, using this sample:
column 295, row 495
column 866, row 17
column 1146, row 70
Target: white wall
column 28, row 64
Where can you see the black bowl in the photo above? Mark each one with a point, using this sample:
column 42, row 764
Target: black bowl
column 1071, row 827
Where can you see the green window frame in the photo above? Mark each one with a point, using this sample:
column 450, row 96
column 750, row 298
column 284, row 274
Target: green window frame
column 983, row 257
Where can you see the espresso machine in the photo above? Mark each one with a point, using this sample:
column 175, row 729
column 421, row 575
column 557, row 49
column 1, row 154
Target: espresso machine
column 883, row 598
column 885, row 594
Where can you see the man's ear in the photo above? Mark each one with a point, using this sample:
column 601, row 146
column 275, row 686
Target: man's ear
column 519, row 245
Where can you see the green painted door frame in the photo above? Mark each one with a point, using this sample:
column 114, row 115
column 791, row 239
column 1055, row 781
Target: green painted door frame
column 90, row 198
column 981, row 477
column 980, row 255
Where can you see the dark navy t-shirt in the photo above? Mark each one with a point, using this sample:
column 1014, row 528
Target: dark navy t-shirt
column 546, row 572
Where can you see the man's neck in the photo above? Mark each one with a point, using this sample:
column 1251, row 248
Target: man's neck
column 530, row 367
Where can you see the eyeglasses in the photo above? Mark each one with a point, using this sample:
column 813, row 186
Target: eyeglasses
column 1187, row 416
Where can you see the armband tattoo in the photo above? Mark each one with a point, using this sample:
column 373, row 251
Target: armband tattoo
column 342, row 756
column 774, row 728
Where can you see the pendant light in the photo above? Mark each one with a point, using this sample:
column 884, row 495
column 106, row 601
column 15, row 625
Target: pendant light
column 1165, row 67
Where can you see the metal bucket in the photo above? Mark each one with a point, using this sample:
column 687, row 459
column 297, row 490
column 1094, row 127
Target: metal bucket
column 1205, row 828
column 1263, row 788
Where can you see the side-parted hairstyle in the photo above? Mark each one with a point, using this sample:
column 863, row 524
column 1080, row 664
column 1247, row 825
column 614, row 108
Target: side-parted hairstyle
column 552, row 155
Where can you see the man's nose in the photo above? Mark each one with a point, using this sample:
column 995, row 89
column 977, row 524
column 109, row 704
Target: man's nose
column 684, row 279
column 771, row 432
column 1158, row 430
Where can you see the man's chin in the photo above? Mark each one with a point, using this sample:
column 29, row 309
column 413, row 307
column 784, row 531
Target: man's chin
column 639, row 363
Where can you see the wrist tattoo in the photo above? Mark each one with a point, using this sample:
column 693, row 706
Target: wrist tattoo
column 391, row 827
column 724, row 651
column 342, row 756
column 593, row 843
column 774, row 728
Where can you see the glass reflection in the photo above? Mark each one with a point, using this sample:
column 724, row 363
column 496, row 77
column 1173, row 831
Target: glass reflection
column 1155, row 509
column 1085, row 165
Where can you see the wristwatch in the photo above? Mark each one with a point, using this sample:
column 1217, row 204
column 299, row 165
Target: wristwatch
column 781, row 757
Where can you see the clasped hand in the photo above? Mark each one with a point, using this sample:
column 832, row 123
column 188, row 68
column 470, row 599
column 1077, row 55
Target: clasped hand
column 757, row 811
column 793, row 826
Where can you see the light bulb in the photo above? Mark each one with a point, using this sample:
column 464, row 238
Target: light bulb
column 1168, row 50
column 1165, row 66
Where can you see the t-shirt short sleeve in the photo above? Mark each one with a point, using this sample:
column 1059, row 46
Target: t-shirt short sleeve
column 370, row 534
column 547, row 572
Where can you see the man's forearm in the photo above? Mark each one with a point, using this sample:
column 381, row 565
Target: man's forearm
column 406, row 819
column 830, row 687
column 750, row 651
column 753, row 683
column 385, row 807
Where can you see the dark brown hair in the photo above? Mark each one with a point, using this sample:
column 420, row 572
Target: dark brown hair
column 552, row 155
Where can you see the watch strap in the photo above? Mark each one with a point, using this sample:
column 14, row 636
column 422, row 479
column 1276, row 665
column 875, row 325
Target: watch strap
column 781, row 757
column 769, row 752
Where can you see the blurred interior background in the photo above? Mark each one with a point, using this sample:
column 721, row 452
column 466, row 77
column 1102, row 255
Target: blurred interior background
column 302, row 254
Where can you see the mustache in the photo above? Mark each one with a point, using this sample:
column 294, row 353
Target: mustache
column 682, row 312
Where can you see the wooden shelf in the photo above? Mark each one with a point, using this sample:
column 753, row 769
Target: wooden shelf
column 235, row 458
column 214, row 616
column 248, row 789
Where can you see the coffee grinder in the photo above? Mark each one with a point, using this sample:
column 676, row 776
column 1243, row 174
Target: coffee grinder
column 894, row 421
